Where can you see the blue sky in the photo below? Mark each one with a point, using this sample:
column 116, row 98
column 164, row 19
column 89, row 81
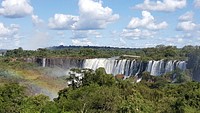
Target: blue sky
column 33, row 24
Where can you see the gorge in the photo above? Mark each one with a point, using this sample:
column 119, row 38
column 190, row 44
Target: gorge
column 114, row 66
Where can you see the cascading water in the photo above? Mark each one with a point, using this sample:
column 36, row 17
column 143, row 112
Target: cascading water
column 181, row 65
column 169, row 66
column 157, row 68
column 99, row 62
column 116, row 66
column 43, row 62
column 149, row 66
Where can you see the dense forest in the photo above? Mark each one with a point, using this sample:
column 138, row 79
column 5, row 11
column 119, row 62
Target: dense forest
column 156, row 53
column 98, row 91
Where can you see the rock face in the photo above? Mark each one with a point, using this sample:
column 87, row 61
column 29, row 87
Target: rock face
column 193, row 64
column 115, row 66
column 64, row 63
column 196, row 75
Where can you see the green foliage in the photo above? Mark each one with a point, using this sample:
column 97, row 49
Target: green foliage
column 100, row 92
column 34, row 104
column 14, row 100
column 99, row 77
column 187, row 97
column 194, row 62
column 182, row 76
column 164, row 52
column 156, row 53
column 11, row 97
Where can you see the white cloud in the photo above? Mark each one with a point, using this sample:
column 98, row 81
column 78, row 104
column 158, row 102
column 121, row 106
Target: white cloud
column 190, row 34
column 9, row 36
column 186, row 26
column 179, row 40
column 197, row 3
column 82, row 42
column 77, row 34
column 94, row 33
column 164, row 5
column 137, row 34
column 15, row 8
column 147, row 22
column 63, row 22
column 122, row 41
column 190, row 31
column 11, row 42
column 174, row 40
column 36, row 20
column 39, row 39
column 92, row 16
column 8, row 31
column 186, row 22
column 62, row 43
column 188, row 16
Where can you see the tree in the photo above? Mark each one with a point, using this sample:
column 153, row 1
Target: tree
column 34, row 104
column 11, row 97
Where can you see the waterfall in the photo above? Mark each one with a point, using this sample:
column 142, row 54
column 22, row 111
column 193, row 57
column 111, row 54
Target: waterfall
column 96, row 63
column 114, row 66
column 149, row 66
column 181, row 65
column 157, row 68
column 43, row 62
column 169, row 66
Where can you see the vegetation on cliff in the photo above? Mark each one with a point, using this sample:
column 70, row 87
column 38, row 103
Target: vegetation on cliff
column 156, row 53
column 98, row 91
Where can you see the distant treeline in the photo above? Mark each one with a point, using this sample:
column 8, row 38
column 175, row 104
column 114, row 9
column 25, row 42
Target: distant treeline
column 92, row 47
column 155, row 53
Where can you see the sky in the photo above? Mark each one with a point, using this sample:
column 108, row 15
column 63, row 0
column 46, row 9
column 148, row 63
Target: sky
column 33, row 24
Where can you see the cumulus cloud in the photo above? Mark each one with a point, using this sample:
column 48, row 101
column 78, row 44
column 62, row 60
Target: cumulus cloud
column 164, row 5
column 186, row 22
column 15, row 8
column 8, row 31
column 82, row 42
column 186, row 26
column 147, row 22
column 137, row 34
column 188, row 16
column 36, row 20
column 92, row 16
column 63, row 22
column 143, row 28
column 197, row 3
column 9, row 36
column 179, row 40
column 189, row 30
